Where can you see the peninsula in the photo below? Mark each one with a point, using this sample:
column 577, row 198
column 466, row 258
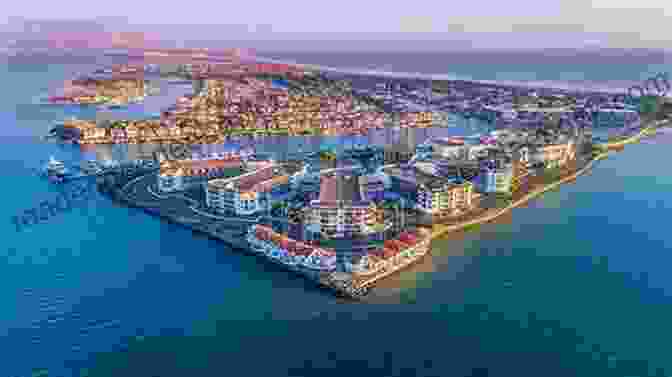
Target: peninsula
column 347, row 218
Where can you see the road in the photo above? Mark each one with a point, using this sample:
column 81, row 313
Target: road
column 178, row 206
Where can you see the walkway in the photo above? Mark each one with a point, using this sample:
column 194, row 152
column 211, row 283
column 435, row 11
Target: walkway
column 443, row 229
column 636, row 138
column 168, row 196
column 195, row 203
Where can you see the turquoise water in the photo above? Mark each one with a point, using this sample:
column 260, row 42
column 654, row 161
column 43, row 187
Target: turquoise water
column 576, row 285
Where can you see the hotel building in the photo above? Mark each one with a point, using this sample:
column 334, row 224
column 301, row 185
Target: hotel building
column 340, row 211
column 180, row 175
column 372, row 187
column 249, row 193
column 495, row 175
column 558, row 155
column 437, row 195
column 520, row 175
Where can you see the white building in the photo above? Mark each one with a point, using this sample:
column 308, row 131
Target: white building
column 246, row 194
column 184, row 174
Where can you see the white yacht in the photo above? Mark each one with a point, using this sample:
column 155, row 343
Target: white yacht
column 90, row 167
column 55, row 167
column 110, row 164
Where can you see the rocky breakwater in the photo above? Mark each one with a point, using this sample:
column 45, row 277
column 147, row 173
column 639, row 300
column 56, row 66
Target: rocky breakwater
column 343, row 285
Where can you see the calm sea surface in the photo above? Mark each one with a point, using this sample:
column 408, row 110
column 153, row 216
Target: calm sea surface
column 575, row 284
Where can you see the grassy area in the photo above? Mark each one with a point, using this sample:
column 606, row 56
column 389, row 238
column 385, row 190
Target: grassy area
column 232, row 172
column 552, row 174
column 379, row 227
column 471, row 227
column 503, row 200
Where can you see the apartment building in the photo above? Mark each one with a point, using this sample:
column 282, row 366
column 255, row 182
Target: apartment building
column 249, row 193
column 495, row 175
column 340, row 211
column 434, row 194
column 520, row 175
column 558, row 155
column 372, row 187
column 181, row 175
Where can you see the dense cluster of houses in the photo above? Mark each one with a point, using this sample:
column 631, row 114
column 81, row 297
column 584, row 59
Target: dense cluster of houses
column 92, row 90
column 252, row 104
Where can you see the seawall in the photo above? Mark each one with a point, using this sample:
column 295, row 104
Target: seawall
column 238, row 242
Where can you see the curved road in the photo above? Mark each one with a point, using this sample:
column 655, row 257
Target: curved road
column 181, row 207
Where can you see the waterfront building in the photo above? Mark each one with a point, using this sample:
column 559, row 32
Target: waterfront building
column 302, row 256
column 558, row 155
column 372, row 187
column 403, row 150
column 520, row 176
column 449, row 148
column 495, row 175
column 183, row 174
column 408, row 246
column 424, row 151
column 434, row 194
column 341, row 211
column 249, row 193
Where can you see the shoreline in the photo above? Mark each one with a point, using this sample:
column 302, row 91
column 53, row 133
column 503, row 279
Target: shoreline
column 353, row 291
column 445, row 229
column 239, row 244
column 566, row 86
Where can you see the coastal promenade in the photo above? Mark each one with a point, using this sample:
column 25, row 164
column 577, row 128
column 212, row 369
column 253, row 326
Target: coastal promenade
column 180, row 211
column 440, row 230
column 406, row 263
column 635, row 138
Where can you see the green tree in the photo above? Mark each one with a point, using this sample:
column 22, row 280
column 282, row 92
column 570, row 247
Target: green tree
column 648, row 105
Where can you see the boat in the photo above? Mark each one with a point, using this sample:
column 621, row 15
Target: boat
column 114, row 106
column 55, row 168
column 110, row 164
column 91, row 167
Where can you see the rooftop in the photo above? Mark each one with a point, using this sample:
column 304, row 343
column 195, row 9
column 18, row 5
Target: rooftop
column 340, row 188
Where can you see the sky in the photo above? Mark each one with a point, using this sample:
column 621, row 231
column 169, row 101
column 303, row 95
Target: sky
column 486, row 23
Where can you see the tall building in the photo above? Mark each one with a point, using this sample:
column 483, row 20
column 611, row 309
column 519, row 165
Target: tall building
column 341, row 211
column 435, row 195
column 495, row 175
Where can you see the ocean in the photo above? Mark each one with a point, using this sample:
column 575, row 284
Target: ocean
column 574, row 284
column 611, row 71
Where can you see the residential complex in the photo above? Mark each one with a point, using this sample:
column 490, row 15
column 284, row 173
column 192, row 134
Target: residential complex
column 184, row 174
column 248, row 193
column 340, row 210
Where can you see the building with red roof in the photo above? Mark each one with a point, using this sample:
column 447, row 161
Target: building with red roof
column 248, row 193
